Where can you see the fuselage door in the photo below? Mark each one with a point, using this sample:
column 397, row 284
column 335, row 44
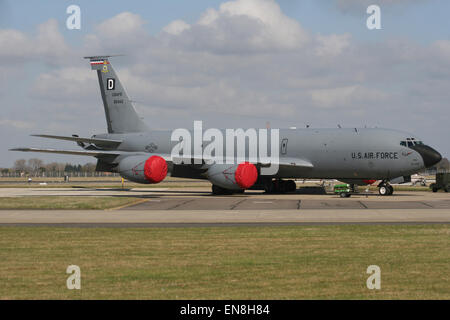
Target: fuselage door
column 284, row 143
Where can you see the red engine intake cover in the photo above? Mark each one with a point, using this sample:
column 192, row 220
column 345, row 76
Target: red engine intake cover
column 246, row 175
column 369, row 181
column 155, row 169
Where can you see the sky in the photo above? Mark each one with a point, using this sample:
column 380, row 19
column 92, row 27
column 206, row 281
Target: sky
column 232, row 64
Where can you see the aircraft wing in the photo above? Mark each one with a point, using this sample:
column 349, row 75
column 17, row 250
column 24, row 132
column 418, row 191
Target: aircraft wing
column 94, row 153
column 109, row 143
column 91, row 153
column 263, row 162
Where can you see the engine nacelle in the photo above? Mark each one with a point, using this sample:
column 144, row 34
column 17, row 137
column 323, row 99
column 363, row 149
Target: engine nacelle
column 233, row 177
column 143, row 169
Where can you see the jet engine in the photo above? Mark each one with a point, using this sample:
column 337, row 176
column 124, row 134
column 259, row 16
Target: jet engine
column 143, row 169
column 233, row 177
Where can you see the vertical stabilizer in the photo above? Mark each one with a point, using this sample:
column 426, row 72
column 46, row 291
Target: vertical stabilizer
column 121, row 117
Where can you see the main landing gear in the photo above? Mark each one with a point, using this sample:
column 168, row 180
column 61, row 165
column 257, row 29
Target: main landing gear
column 280, row 186
column 219, row 191
column 385, row 189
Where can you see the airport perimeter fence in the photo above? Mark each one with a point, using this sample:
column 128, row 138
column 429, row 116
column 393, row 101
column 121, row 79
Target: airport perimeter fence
column 59, row 174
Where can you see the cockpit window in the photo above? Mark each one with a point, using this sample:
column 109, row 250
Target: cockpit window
column 410, row 142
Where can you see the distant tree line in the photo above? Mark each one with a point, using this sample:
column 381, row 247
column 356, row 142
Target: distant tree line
column 37, row 168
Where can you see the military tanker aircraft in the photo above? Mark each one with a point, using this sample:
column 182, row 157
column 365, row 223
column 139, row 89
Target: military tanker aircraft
column 358, row 156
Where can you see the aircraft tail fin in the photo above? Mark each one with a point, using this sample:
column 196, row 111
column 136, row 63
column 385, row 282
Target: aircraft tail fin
column 121, row 116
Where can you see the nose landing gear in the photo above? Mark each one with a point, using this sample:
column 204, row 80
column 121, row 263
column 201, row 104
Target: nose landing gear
column 385, row 189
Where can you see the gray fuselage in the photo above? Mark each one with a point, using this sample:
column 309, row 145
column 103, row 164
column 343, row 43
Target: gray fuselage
column 357, row 153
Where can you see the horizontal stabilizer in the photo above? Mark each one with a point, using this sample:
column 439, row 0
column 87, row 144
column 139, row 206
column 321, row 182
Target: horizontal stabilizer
column 103, row 57
column 108, row 143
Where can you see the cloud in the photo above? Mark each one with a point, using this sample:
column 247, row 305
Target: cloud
column 239, row 26
column 121, row 25
column 123, row 33
column 176, row 27
column 246, row 69
column 67, row 83
column 346, row 97
column 16, row 124
column 50, row 44
column 442, row 49
column 47, row 44
column 332, row 45
column 14, row 45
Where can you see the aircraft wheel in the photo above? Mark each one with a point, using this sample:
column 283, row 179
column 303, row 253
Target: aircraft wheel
column 218, row 191
column 291, row 186
column 279, row 186
column 284, row 186
column 383, row 190
column 269, row 187
column 391, row 190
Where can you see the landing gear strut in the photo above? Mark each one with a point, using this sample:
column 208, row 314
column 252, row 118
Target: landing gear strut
column 385, row 189
column 280, row 186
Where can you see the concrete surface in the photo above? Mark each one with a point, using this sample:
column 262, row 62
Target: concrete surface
column 196, row 206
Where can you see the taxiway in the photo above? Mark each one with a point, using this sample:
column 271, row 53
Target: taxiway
column 197, row 207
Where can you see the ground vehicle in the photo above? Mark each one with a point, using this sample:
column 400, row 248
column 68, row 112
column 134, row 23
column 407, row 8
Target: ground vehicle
column 418, row 179
column 343, row 190
column 442, row 182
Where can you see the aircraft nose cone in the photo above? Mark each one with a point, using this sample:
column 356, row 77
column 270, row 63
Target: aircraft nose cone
column 429, row 155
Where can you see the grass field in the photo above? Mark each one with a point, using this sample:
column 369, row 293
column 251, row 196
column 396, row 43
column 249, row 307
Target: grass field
column 65, row 202
column 303, row 262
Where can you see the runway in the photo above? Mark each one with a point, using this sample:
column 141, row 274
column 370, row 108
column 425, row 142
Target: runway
column 252, row 203
column 107, row 218
column 170, row 207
